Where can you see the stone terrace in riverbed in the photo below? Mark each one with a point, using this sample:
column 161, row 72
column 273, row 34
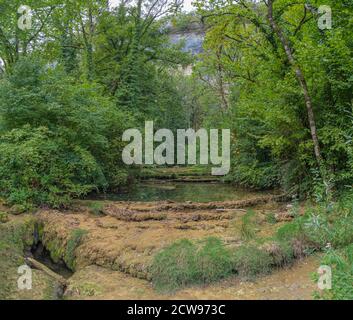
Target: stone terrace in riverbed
column 127, row 235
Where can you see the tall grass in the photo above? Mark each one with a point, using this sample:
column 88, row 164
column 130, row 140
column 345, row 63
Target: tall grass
column 184, row 263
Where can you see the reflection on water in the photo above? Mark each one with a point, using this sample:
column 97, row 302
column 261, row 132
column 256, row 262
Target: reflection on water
column 181, row 192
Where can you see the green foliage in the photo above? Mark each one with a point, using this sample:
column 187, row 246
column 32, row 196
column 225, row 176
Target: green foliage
column 18, row 209
column 64, row 137
column 341, row 263
column 174, row 267
column 249, row 261
column 185, row 21
column 272, row 144
column 185, row 263
column 45, row 177
column 15, row 236
column 291, row 230
column 4, row 217
column 96, row 208
column 214, row 261
column 73, row 242
column 322, row 225
column 270, row 218
column 331, row 225
column 247, row 226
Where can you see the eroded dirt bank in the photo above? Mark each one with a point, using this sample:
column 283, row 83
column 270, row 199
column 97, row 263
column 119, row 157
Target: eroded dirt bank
column 16, row 237
column 110, row 248
column 292, row 283
column 126, row 235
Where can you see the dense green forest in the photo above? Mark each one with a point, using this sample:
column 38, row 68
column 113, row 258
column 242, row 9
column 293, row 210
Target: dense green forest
column 84, row 72
column 75, row 74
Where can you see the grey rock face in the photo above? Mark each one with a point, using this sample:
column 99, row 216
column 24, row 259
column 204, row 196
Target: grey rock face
column 192, row 40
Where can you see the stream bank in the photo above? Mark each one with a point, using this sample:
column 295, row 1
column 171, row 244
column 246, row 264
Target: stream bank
column 104, row 249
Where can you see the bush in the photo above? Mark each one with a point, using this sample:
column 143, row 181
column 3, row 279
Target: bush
column 341, row 232
column 60, row 140
column 185, row 263
column 37, row 167
column 332, row 224
column 175, row 266
column 321, row 226
column 341, row 263
column 18, row 209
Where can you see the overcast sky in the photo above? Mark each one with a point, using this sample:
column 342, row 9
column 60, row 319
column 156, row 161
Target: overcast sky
column 187, row 4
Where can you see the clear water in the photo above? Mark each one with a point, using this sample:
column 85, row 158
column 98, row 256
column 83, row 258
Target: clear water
column 181, row 192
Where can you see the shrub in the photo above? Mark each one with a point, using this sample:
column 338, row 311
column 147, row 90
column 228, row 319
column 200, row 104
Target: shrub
column 59, row 139
column 37, row 167
column 175, row 266
column 185, row 263
column 325, row 224
column 341, row 263
column 332, row 224
column 341, row 232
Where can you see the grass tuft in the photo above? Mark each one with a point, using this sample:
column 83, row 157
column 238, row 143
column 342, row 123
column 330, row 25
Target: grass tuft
column 184, row 263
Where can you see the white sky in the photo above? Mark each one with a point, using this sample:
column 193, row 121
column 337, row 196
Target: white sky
column 187, row 4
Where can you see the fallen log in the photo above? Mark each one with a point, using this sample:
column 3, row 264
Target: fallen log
column 39, row 266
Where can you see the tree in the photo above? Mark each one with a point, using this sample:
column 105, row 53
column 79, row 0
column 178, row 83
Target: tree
column 268, row 49
column 301, row 79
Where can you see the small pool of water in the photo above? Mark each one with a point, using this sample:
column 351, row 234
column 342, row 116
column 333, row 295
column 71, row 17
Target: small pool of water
column 41, row 254
column 181, row 192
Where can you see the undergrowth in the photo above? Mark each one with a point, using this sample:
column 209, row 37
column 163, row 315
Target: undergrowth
column 322, row 226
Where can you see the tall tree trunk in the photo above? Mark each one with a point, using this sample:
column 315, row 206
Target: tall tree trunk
column 301, row 79
column 90, row 46
column 88, row 41
column 221, row 84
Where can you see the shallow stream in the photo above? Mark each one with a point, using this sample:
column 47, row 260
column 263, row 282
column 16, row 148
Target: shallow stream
column 182, row 192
